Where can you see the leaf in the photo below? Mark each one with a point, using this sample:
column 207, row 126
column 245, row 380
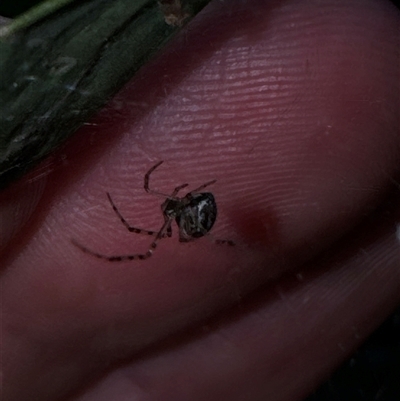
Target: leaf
column 58, row 72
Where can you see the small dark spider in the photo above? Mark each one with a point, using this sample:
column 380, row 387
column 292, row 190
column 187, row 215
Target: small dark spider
column 195, row 215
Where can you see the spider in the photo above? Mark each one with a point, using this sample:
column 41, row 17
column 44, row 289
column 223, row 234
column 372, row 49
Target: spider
column 195, row 214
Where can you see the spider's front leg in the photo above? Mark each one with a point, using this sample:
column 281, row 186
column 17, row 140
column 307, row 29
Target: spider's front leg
column 128, row 226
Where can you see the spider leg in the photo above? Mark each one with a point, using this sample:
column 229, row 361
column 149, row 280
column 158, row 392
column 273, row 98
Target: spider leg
column 137, row 256
column 126, row 224
column 203, row 186
column 177, row 189
column 147, row 179
column 169, row 227
column 162, row 194
column 224, row 242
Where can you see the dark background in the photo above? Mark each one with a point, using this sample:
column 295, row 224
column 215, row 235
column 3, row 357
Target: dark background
column 373, row 372
column 11, row 8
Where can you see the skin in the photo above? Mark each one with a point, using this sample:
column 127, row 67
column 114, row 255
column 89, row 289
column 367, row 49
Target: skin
column 293, row 108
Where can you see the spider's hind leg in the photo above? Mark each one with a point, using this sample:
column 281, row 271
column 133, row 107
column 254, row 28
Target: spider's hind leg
column 224, row 242
column 136, row 256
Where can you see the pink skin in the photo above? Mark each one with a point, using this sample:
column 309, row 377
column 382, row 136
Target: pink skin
column 293, row 108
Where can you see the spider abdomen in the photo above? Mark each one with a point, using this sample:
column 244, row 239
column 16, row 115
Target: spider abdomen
column 197, row 216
